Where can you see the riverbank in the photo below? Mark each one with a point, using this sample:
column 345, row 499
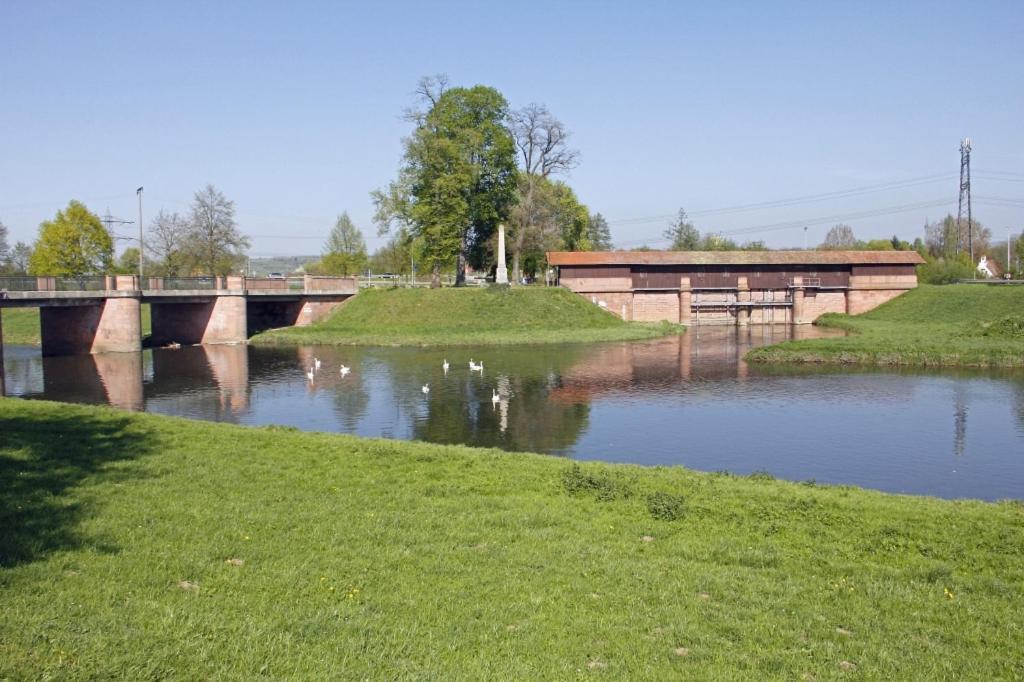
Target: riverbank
column 465, row 317
column 963, row 325
column 144, row 546
column 21, row 325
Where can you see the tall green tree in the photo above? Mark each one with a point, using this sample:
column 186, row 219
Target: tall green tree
column 683, row 234
column 215, row 245
column 345, row 250
column 73, row 244
column 599, row 232
column 457, row 181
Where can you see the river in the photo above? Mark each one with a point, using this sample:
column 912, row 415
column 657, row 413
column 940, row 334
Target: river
column 688, row 401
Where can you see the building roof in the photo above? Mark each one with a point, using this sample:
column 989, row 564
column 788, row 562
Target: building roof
column 734, row 258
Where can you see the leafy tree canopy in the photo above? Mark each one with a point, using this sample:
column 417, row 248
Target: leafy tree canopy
column 600, row 234
column 345, row 250
column 73, row 244
column 458, row 180
column 683, row 234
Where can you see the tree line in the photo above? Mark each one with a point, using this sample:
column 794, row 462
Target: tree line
column 75, row 243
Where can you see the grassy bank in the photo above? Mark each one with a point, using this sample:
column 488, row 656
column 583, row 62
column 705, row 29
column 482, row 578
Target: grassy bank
column 139, row 546
column 21, row 325
column 956, row 325
column 472, row 316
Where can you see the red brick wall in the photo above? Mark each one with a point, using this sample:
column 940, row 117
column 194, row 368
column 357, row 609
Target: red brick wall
column 655, row 307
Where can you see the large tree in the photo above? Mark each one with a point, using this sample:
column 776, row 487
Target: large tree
column 73, row 244
column 345, row 250
column 683, row 234
column 215, row 245
column 167, row 242
column 600, row 233
column 457, row 181
column 840, row 237
column 542, row 144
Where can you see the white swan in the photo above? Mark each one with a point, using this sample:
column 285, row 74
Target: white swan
column 476, row 367
column 310, row 374
column 495, row 398
column 345, row 370
column 445, row 365
column 425, row 389
column 316, row 364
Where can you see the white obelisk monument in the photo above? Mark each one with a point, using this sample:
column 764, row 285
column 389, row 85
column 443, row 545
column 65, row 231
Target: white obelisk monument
column 501, row 275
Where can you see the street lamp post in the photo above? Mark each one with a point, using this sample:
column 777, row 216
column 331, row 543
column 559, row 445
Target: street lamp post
column 141, row 248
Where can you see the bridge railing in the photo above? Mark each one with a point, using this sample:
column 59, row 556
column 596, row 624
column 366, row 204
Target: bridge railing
column 185, row 283
column 306, row 284
column 19, row 283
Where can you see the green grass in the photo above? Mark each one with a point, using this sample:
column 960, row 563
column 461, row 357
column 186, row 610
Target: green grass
column 137, row 546
column 963, row 325
column 21, row 325
column 471, row 316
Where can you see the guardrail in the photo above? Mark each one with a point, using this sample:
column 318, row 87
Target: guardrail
column 100, row 283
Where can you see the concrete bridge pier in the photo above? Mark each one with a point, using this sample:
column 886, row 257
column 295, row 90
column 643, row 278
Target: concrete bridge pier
column 111, row 326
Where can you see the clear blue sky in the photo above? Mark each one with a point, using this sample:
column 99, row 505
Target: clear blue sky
column 293, row 110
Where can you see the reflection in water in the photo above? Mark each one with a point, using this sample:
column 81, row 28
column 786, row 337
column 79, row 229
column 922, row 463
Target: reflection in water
column 688, row 400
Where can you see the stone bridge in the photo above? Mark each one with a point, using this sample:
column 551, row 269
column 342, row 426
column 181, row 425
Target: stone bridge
column 103, row 314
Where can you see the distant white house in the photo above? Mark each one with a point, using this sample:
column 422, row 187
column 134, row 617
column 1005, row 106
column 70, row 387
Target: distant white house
column 988, row 268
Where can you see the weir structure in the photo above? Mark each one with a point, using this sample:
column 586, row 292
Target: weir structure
column 80, row 315
column 736, row 287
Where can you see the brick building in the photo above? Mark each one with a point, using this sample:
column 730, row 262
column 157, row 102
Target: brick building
column 736, row 287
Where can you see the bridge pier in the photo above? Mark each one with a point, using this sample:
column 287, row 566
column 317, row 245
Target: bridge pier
column 222, row 319
column 113, row 325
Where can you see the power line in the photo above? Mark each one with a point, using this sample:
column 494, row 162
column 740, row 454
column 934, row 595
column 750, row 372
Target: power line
column 791, row 224
column 807, row 198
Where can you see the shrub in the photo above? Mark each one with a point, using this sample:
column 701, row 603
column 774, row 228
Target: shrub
column 602, row 486
column 943, row 271
column 666, row 506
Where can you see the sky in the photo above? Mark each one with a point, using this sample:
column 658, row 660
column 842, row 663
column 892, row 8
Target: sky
column 294, row 110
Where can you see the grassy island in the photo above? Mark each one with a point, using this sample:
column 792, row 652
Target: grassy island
column 965, row 325
column 138, row 546
column 463, row 317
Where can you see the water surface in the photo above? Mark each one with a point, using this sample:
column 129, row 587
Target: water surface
column 689, row 400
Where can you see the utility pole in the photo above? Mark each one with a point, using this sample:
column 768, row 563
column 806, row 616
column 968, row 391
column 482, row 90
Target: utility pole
column 965, row 194
column 141, row 247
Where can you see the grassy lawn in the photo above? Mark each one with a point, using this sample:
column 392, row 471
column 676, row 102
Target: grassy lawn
column 471, row 316
column 21, row 325
column 965, row 325
column 138, row 546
